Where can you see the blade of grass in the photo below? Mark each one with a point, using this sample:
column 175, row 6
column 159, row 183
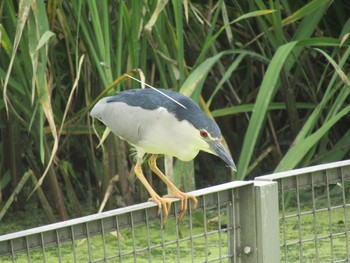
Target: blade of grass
column 338, row 69
column 40, row 22
column 305, row 10
column 226, row 76
column 23, row 12
column 15, row 193
column 267, row 90
column 311, row 19
column 298, row 151
column 179, row 33
column 250, row 107
column 337, row 152
column 211, row 39
column 193, row 84
column 328, row 95
column 225, row 19
column 151, row 22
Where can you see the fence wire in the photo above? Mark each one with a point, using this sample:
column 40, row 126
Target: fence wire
column 296, row 216
column 314, row 208
column 135, row 234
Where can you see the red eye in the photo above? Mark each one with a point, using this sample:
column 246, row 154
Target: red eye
column 203, row 134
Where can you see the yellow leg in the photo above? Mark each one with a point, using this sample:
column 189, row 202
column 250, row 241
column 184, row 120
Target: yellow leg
column 176, row 193
column 162, row 203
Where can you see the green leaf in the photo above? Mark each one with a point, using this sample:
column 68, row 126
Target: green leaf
column 23, row 12
column 5, row 41
column 193, row 85
column 304, row 11
column 298, row 151
column 15, row 192
column 194, row 82
column 226, row 76
column 44, row 39
column 253, row 14
column 244, row 108
column 159, row 8
column 340, row 72
column 266, row 92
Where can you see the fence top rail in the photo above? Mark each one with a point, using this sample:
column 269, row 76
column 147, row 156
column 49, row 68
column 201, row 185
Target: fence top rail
column 305, row 170
column 119, row 211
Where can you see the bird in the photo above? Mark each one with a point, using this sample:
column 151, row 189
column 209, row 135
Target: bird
column 161, row 121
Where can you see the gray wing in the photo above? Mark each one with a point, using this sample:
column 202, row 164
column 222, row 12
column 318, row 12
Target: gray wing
column 123, row 120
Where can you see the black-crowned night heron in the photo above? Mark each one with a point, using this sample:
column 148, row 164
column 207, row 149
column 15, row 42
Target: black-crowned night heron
column 161, row 122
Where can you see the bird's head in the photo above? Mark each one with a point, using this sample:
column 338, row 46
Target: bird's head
column 206, row 134
column 213, row 144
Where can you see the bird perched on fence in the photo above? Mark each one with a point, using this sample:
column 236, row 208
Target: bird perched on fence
column 159, row 121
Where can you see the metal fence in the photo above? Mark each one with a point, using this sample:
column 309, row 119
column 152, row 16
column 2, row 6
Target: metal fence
column 295, row 216
column 314, row 209
column 224, row 227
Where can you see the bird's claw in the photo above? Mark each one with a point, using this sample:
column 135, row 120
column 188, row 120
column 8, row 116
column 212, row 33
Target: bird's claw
column 162, row 203
column 183, row 198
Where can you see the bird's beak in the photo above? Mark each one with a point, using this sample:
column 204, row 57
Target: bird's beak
column 218, row 149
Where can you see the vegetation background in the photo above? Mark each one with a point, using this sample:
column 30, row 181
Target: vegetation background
column 274, row 75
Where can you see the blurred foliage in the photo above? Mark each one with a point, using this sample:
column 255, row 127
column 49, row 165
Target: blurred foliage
column 274, row 74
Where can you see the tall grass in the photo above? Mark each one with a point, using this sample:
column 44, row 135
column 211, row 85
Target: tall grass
column 274, row 74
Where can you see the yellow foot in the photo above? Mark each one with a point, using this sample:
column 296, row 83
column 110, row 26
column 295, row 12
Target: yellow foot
column 184, row 198
column 162, row 203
